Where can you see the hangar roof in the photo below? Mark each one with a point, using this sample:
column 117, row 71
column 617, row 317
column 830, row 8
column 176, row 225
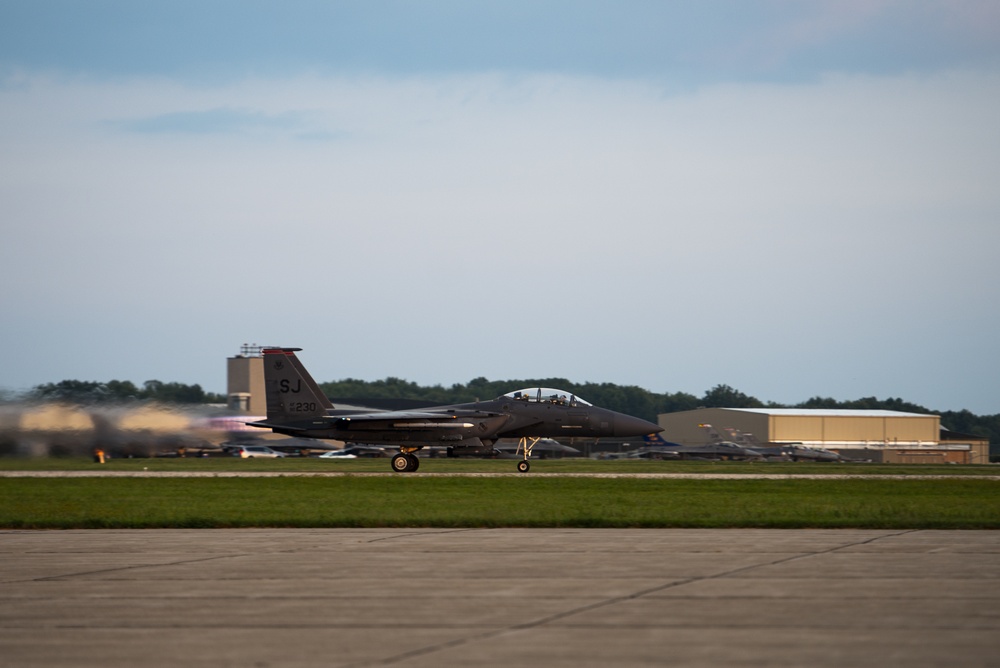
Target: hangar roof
column 829, row 412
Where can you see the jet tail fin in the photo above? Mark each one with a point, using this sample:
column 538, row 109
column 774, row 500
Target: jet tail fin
column 291, row 393
column 655, row 440
column 713, row 434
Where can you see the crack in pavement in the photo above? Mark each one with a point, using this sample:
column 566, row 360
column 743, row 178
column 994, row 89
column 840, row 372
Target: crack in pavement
column 67, row 576
column 548, row 619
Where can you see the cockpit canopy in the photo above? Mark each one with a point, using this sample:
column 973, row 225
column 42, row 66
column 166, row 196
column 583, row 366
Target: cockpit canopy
column 547, row 395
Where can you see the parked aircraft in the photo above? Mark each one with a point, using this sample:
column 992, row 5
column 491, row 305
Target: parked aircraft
column 785, row 451
column 721, row 450
column 297, row 407
column 793, row 451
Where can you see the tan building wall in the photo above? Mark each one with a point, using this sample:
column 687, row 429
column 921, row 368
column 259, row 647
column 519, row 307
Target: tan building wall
column 245, row 384
column 978, row 447
column 794, row 428
column 893, row 456
column 822, row 428
column 914, row 429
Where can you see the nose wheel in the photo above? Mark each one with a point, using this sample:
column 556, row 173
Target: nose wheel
column 525, row 444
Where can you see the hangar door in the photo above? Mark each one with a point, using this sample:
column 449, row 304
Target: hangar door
column 796, row 428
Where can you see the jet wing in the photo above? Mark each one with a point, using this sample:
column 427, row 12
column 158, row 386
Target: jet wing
column 414, row 415
column 414, row 419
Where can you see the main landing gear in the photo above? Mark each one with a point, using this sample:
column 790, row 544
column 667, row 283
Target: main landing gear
column 525, row 445
column 405, row 462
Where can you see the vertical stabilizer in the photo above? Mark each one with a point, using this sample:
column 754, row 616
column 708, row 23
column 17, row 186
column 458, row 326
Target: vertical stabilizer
column 291, row 392
column 713, row 434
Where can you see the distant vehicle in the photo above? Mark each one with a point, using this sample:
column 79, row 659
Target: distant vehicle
column 297, row 407
column 360, row 450
column 251, row 451
column 338, row 454
column 291, row 447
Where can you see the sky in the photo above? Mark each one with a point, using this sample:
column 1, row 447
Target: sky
column 793, row 198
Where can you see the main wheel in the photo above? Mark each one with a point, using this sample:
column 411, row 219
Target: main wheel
column 414, row 462
column 400, row 463
column 523, row 466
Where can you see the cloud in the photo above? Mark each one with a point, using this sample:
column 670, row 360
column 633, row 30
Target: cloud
column 508, row 226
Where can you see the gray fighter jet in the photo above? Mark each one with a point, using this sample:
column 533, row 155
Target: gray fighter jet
column 795, row 452
column 297, row 407
column 655, row 444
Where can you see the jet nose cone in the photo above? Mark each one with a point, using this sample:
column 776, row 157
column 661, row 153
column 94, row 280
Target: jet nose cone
column 626, row 425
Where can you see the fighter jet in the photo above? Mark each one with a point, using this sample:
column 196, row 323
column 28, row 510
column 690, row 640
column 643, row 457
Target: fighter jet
column 297, row 407
column 795, row 452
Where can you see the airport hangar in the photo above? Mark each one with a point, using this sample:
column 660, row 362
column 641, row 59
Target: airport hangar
column 865, row 435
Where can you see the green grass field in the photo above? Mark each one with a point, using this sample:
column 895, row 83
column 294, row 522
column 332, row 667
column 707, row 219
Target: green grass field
column 514, row 501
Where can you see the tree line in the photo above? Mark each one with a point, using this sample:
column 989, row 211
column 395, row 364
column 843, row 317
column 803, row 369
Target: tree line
column 628, row 399
column 117, row 391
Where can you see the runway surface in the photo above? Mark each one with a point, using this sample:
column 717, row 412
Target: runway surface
column 499, row 597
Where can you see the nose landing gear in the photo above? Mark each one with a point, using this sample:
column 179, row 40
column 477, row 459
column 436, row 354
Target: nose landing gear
column 525, row 444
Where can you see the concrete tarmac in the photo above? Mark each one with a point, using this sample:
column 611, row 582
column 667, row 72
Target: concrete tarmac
column 499, row 597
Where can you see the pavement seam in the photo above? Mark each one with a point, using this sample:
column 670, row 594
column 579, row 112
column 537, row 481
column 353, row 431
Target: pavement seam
column 486, row 635
column 67, row 576
column 423, row 533
column 818, row 553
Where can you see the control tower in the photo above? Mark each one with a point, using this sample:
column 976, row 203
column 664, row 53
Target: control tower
column 245, row 381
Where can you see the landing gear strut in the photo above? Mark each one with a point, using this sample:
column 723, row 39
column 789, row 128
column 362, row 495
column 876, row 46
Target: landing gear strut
column 525, row 444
